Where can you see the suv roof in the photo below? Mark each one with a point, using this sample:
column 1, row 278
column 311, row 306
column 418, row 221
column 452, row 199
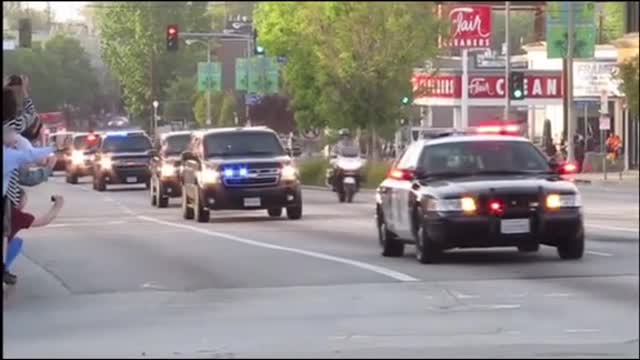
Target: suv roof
column 124, row 133
column 175, row 133
column 471, row 138
column 237, row 129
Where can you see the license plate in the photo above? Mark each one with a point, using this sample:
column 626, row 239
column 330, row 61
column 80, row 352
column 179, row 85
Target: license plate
column 515, row 226
column 252, row 202
column 132, row 179
column 349, row 180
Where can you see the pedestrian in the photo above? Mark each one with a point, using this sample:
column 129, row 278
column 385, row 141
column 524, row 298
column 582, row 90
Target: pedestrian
column 579, row 151
column 21, row 220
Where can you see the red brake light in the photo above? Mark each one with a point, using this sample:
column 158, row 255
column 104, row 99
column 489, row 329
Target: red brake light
column 499, row 129
column 495, row 207
column 398, row 174
column 569, row 168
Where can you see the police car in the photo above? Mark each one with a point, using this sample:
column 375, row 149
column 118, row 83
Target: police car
column 165, row 167
column 477, row 189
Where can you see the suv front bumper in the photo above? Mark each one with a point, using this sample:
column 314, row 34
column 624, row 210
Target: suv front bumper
column 219, row 197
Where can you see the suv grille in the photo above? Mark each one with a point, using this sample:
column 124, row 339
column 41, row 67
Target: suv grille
column 257, row 175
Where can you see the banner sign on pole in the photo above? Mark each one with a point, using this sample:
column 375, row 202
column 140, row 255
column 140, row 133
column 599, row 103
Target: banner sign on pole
column 209, row 76
column 470, row 27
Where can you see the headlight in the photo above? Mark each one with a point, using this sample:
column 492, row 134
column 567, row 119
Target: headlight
column 77, row 157
column 209, row 176
column 289, row 173
column 465, row 204
column 167, row 170
column 105, row 162
column 556, row 201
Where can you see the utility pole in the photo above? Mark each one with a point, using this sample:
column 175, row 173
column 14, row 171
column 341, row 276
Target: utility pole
column 208, row 87
column 571, row 125
column 507, row 60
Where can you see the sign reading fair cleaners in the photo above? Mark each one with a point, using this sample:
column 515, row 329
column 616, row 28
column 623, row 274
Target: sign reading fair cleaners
column 470, row 27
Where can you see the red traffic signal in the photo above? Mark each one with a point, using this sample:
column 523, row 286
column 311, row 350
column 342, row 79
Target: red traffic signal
column 172, row 38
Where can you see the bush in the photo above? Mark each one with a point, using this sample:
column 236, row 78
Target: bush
column 313, row 172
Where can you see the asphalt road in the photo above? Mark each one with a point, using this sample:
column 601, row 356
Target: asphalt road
column 115, row 277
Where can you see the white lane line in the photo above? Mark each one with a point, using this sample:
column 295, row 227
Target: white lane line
column 558, row 295
column 497, row 306
column 573, row 331
column 62, row 225
column 374, row 268
column 613, row 228
column 598, row 253
column 459, row 295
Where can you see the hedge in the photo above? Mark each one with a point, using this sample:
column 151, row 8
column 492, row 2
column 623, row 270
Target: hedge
column 313, row 172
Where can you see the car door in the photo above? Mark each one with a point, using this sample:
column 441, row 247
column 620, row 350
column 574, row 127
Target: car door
column 401, row 192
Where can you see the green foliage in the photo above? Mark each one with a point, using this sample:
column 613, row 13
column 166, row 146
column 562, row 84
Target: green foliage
column 179, row 99
column 349, row 62
column 227, row 109
column 133, row 46
column 61, row 73
column 200, row 107
column 313, row 171
column 629, row 75
column 13, row 12
column 613, row 20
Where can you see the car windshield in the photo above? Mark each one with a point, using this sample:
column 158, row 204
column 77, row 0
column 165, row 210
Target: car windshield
column 482, row 157
column 243, row 144
column 126, row 144
column 80, row 142
column 176, row 144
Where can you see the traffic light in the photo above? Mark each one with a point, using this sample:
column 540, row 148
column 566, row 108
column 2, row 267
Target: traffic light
column 516, row 85
column 172, row 38
column 24, row 33
column 257, row 49
column 406, row 100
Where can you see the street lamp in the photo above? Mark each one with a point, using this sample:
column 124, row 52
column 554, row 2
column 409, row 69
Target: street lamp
column 208, row 43
column 155, row 115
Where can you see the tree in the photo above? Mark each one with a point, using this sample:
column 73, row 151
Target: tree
column 180, row 98
column 133, row 46
column 629, row 75
column 350, row 63
column 200, row 107
column 61, row 73
column 227, row 110
column 612, row 21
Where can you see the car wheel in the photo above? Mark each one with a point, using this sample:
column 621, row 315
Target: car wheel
column 391, row 246
column 295, row 212
column 187, row 212
column 426, row 251
column 572, row 248
column 162, row 200
column 147, row 184
column 202, row 214
column 93, row 183
column 100, row 185
column 275, row 213
column 152, row 194
column 341, row 196
column 73, row 179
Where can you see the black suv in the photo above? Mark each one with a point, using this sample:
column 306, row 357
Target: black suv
column 165, row 167
column 79, row 161
column 239, row 169
column 122, row 158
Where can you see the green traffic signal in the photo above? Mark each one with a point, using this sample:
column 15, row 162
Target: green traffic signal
column 516, row 86
column 259, row 50
column 406, row 100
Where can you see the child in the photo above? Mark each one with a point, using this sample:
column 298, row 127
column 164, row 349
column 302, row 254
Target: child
column 22, row 220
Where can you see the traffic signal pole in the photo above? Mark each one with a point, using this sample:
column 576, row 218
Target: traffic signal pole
column 571, row 125
column 507, row 61
column 208, row 87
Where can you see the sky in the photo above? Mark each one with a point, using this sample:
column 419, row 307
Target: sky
column 62, row 10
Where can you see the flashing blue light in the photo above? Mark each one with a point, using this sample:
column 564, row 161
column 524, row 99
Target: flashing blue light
column 243, row 172
column 228, row 173
column 120, row 133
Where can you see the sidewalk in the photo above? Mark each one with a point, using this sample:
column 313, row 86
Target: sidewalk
column 625, row 179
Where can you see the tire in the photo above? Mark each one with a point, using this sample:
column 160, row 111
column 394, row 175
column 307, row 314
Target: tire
column 201, row 213
column 73, row 179
column 162, row 200
column 93, row 183
column 426, row 251
column 391, row 246
column 152, row 195
column 274, row 213
column 100, row 185
column 349, row 192
column 295, row 212
column 187, row 212
column 67, row 179
column 572, row 248
column 147, row 184
column 341, row 197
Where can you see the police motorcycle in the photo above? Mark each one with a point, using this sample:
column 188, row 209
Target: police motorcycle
column 344, row 175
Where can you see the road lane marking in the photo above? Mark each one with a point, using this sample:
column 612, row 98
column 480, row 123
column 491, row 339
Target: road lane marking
column 62, row 225
column 463, row 296
column 497, row 306
column 598, row 253
column 365, row 266
column 613, row 228
column 573, row 331
column 558, row 295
